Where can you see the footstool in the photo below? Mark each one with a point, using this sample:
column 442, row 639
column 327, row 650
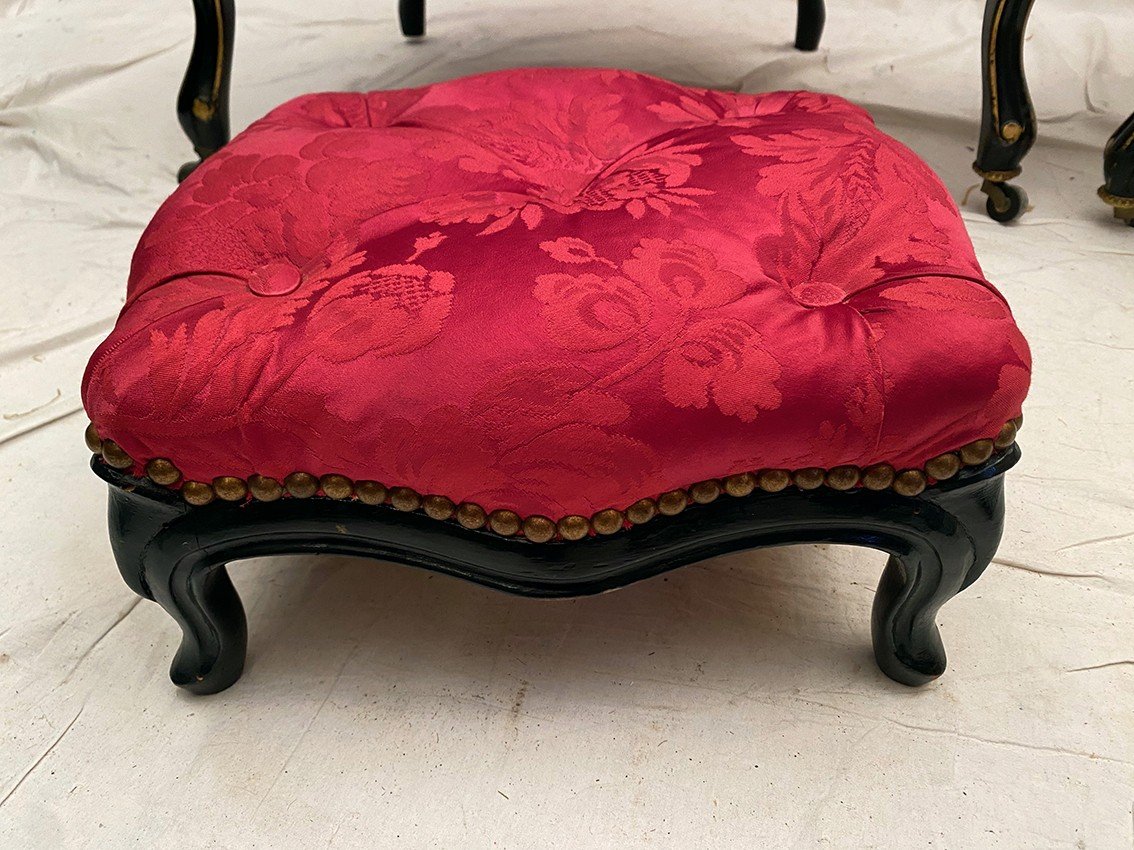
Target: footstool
column 553, row 331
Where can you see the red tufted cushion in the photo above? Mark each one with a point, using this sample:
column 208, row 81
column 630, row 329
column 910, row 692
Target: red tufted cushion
column 556, row 291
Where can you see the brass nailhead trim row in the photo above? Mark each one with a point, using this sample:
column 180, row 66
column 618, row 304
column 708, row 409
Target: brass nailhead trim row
column 540, row 529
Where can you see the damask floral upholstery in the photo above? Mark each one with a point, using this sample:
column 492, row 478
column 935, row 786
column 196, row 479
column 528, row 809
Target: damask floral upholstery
column 555, row 292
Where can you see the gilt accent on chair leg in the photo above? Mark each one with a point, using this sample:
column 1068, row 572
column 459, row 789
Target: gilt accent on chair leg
column 1118, row 166
column 411, row 17
column 202, row 103
column 1008, row 121
column 811, row 15
column 948, row 548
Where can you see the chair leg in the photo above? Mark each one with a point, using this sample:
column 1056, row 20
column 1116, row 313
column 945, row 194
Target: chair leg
column 810, row 17
column 1118, row 164
column 202, row 103
column 940, row 560
column 411, row 16
column 1008, row 121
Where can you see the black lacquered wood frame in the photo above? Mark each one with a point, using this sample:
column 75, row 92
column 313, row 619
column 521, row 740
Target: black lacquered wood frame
column 810, row 17
column 939, row 543
column 202, row 102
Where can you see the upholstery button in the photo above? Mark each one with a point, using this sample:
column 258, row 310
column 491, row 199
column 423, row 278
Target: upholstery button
column 817, row 294
column 274, row 279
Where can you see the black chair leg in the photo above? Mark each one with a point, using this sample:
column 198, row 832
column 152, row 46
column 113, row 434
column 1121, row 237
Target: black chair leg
column 811, row 16
column 202, row 103
column 1118, row 164
column 411, row 16
column 1008, row 121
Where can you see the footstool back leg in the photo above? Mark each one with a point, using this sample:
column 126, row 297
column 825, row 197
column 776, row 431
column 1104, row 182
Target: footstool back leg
column 202, row 103
column 948, row 544
column 810, row 17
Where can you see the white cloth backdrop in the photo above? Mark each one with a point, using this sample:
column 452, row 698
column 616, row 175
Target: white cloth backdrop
column 731, row 704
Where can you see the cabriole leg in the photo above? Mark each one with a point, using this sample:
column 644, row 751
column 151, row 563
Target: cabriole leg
column 940, row 560
column 160, row 562
column 202, row 103
column 1008, row 121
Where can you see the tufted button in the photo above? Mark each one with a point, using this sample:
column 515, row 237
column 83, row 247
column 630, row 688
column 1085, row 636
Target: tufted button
column 817, row 294
column 274, row 279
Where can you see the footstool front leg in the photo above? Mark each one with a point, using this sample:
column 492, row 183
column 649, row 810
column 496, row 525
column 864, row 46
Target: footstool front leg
column 948, row 542
column 202, row 103
column 159, row 555
column 1008, row 121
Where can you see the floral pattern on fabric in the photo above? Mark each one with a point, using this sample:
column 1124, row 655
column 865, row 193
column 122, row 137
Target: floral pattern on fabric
column 663, row 304
column 556, row 291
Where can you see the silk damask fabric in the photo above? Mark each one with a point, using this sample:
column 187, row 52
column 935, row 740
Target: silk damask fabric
column 556, row 291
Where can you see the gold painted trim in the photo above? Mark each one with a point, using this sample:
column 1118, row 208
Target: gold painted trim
column 1012, row 130
column 993, row 87
column 998, row 176
column 205, row 110
column 541, row 529
column 1116, row 201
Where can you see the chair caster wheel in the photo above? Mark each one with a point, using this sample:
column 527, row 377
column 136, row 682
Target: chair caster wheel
column 1005, row 202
